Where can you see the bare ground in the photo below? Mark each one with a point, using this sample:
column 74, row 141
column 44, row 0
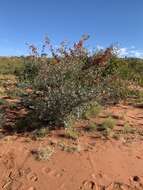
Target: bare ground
column 93, row 162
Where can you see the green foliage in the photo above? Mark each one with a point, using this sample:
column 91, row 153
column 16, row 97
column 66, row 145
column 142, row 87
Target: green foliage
column 93, row 109
column 71, row 83
column 40, row 133
column 71, row 133
column 108, row 123
column 70, row 121
column 66, row 90
column 43, row 153
column 69, row 148
column 2, row 119
column 140, row 97
column 92, row 127
column 128, row 128
column 15, row 92
column 106, row 127
column 13, row 106
column 3, row 102
column 26, row 124
column 130, row 69
column 11, row 65
column 71, row 86
column 30, row 69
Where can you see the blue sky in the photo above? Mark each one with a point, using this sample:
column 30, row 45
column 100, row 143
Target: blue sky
column 106, row 21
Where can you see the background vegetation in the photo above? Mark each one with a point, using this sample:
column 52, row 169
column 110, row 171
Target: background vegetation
column 70, row 83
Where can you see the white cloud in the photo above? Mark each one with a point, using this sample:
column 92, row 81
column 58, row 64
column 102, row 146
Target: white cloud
column 126, row 51
column 130, row 52
column 122, row 52
column 99, row 47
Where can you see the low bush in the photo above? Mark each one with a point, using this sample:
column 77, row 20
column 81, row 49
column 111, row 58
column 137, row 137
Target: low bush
column 108, row 123
column 40, row 133
column 92, row 127
column 128, row 129
column 130, row 69
column 72, row 81
column 43, row 153
column 11, row 65
column 2, row 119
column 71, row 133
column 93, row 109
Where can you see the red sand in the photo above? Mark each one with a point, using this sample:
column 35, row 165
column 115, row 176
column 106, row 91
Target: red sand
column 99, row 165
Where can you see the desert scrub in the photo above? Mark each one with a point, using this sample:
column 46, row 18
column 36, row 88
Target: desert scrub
column 93, row 109
column 70, row 85
column 92, row 127
column 6, row 79
column 71, row 82
column 2, row 119
column 2, row 91
column 71, row 133
column 138, row 102
column 69, row 148
column 70, row 121
column 12, row 106
column 40, row 133
column 11, row 65
column 43, row 153
column 15, row 92
column 107, row 126
column 128, row 129
column 3, row 102
column 30, row 70
column 130, row 69
column 108, row 123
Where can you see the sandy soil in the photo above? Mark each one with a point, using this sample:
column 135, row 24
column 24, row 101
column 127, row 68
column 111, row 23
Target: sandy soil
column 97, row 164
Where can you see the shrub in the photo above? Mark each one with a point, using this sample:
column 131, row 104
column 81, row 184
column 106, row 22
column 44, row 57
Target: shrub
column 128, row 129
column 130, row 69
column 106, row 127
column 2, row 119
column 71, row 133
column 11, row 65
column 43, row 153
column 67, row 90
column 108, row 123
column 93, row 109
column 92, row 127
column 69, row 148
column 139, row 97
column 30, row 69
column 40, row 133
column 3, row 102
column 71, row 81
